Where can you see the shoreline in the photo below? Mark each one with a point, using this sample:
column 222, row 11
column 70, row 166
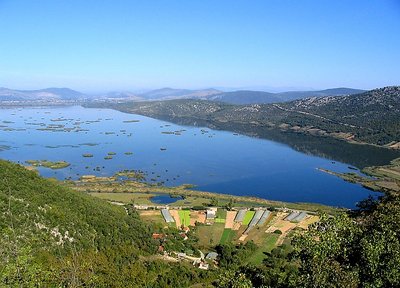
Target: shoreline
column 384, row 179
column 109, row 186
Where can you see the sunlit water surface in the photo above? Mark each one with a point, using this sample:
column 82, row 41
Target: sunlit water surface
column 216, row 161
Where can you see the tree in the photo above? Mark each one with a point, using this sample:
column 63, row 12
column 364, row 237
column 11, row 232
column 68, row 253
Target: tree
column 353, row 252
column 229, row 205
column 214, row 201
column 232, row 279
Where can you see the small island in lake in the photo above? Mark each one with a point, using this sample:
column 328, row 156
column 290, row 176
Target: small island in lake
column 87, row 155
column 48, row 164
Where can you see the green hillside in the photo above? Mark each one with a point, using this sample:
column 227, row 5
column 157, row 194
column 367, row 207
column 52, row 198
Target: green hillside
column 51, row 236
column 41, row 207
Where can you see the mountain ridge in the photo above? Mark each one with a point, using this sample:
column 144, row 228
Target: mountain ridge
column 370, row 117
column 233, row 97
column 7, row 94
column 262, row 97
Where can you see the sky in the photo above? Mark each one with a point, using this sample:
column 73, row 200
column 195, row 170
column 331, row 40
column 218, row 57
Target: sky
column 102, row 45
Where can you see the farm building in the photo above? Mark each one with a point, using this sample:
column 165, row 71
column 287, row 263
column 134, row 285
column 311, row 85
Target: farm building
column 203, row 266
column 300, row 217
column 211, row 213
column 292, row 216
column 212, row 256
column 264, row 217
column 257, row 216
column 167, row 216
column 240, row 215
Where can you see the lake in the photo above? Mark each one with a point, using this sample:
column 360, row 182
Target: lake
column 164, row 199
column 213, row 160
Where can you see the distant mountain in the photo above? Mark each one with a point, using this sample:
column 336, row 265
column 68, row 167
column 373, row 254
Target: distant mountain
column 123, row 95
column 234, row 97
column 370, row 117
column 170, row 93
column 261, row 97
column 43, row 94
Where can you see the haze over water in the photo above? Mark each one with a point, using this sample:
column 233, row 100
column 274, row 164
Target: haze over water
column 215, row 161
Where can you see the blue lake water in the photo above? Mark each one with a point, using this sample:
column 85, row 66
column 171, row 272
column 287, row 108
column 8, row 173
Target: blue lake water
column 216, row 161
column 164, row 199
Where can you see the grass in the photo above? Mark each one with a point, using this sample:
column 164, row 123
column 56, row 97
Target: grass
column 137, row 198
column 249, row 204
column 154, row 218
column 184, row 216
column 210, row 235
column 247, row 217
column 221, row 213
column 220, row 216
column 269, row 243
column 227, row 236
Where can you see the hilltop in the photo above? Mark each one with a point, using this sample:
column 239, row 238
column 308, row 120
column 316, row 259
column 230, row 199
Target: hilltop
column 170, row 93
column 42, row 94
column 262, row 97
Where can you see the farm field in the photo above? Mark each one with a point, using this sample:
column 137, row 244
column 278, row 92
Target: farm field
column 209, row 235
column 227, row 236
column 152, row 216
column 268, row 244
column 175, row 215
column 247, row 217
column 220, row 216
column 184, row 216
column 137, row 198
column 227, row 231
column 197, row 216
column 230, row 217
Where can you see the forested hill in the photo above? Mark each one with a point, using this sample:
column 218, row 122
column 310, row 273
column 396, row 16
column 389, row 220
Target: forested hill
column 370, row 117
column 51, row 236
column 43, row 211
column 373, row 116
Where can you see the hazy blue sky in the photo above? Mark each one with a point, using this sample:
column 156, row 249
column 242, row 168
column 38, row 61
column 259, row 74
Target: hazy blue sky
column 114, row 45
